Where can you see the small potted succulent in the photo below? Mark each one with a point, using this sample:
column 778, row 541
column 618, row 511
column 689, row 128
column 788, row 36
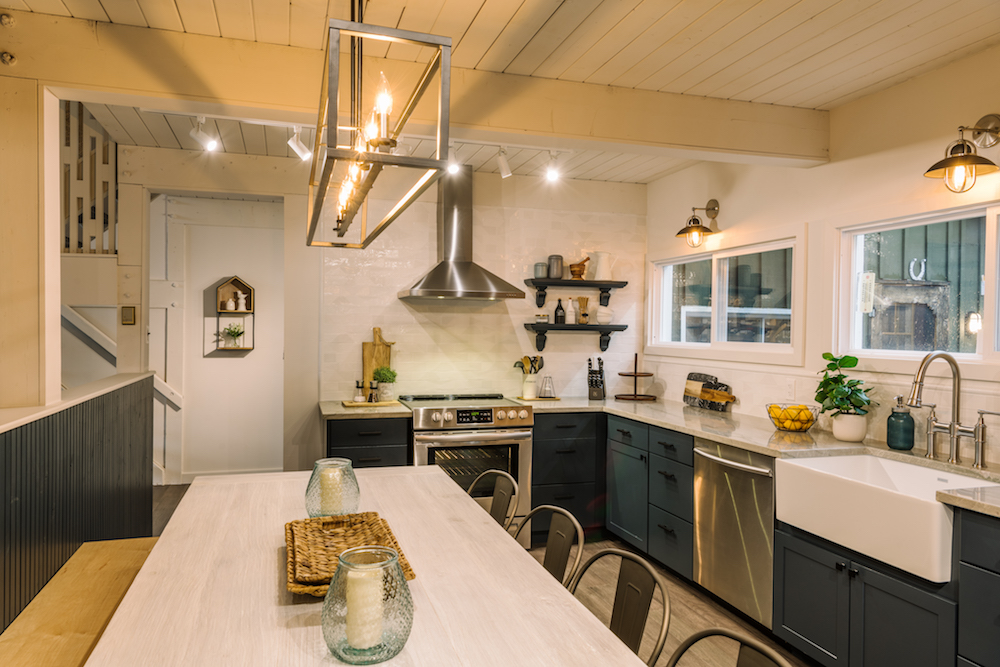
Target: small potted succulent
column 235, row 332
column 385, row 377
column 846, row 397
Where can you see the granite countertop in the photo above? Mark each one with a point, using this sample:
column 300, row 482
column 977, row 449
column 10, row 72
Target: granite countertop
column 983, row 499
column 337, row 410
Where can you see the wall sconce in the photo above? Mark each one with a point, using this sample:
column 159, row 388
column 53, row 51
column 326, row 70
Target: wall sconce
column 961, row 165
column 974, row 323
column 695, row 232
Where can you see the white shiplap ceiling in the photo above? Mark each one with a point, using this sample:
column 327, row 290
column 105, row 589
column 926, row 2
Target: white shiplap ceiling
column 814, row 54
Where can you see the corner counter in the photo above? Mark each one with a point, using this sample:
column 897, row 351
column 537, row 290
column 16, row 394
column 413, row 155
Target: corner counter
column 336, row 410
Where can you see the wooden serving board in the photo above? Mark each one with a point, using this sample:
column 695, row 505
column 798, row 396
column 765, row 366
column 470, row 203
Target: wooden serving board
column 374, row 355
column 705, row 391
column 366, row 404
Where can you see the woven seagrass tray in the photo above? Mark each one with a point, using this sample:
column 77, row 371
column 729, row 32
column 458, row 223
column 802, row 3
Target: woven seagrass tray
column 313, row 546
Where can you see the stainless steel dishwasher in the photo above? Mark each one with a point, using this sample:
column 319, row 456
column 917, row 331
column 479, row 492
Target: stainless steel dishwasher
column 734, row 526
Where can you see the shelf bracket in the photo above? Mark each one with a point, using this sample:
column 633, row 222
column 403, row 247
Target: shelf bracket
column 605, row 297
column 540, row 337
column 605, row 340
column 540, row 300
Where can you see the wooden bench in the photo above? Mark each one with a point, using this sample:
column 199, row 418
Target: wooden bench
column 62, row 624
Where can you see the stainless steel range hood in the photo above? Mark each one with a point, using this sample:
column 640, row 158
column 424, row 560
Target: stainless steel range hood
column 456, row 276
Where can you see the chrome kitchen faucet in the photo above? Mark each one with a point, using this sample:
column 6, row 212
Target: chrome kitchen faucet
column 954, row 428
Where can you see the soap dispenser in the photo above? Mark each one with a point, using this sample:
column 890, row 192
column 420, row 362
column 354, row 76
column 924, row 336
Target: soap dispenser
column 899, row 430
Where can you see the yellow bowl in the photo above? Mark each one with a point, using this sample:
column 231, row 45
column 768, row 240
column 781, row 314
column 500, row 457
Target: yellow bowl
column 793, row 417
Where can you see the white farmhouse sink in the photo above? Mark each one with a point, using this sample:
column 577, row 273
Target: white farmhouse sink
column 879, row 507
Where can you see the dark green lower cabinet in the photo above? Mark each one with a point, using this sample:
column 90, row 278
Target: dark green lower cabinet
column 579, row 499
column 671, row 541
column 841, row 612
column 628, row 493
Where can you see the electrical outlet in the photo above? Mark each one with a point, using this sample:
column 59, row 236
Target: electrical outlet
column 790, row 389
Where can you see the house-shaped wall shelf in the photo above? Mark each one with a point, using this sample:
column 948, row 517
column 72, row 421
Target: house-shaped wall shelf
column 232, row 311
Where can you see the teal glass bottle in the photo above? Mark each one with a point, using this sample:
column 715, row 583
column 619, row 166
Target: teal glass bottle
column 899, row 430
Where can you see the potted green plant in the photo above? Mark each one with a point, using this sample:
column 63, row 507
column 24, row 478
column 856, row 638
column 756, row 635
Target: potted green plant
column 846, row 397
column 385, row 377
column 235, row 332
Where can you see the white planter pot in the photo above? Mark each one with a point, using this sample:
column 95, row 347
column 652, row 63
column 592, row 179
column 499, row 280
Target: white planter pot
column 850, row 428
column 386, row 391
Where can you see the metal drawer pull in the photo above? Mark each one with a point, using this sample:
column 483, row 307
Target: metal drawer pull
column 666, row 474
column 853, row 572
column 841, row 566
column 565, row 425
column 372, row 459
column 666, row 444
column 369, row 432
column 565, row 451
column 565, row 497
column 668, row 531
column 734, row 464
column 627, row 434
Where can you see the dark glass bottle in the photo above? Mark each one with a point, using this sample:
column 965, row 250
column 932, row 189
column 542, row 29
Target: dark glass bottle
column 899, row 429
column 560, row 313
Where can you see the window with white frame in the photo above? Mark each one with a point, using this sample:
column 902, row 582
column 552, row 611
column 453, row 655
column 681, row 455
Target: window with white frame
column 726, row 300
column 918, row 287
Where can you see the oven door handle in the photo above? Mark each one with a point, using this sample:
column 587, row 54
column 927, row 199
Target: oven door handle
column 472, row 436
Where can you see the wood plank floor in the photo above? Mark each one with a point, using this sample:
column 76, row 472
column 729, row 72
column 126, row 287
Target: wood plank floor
column 691, row 610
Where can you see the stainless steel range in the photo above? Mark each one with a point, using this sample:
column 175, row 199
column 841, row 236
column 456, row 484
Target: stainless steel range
column 468, row 434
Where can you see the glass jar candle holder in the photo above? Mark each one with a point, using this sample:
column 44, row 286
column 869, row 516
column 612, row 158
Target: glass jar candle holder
column 368, row 610
column 333, row 488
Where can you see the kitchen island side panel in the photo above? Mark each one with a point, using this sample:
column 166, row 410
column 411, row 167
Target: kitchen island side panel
column 81, row 474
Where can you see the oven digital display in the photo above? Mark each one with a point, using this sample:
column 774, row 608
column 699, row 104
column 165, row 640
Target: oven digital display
column 463, row 416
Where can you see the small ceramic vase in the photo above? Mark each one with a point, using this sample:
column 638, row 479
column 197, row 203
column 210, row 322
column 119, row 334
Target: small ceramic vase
column 850, row 428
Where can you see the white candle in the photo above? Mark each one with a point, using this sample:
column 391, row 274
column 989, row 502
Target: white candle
column 331, row 491
column 364, row 608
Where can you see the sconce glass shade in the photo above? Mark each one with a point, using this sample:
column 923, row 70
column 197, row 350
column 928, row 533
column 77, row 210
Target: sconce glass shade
column 961, row 166
column 694, row 232
column 974, row 323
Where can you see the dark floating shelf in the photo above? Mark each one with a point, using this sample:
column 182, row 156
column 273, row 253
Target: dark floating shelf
column 542, row 284
column 604, row 329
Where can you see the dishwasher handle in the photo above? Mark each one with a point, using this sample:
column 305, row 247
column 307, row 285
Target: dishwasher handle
column 734, row 464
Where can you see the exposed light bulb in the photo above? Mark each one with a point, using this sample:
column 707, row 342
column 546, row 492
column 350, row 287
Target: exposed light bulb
column 453, row 165
column 695, row 238
column 207, row 142
column 960, row 178
column 383, row 96
column 552, row 170
column 453, row 168
column 975, row 323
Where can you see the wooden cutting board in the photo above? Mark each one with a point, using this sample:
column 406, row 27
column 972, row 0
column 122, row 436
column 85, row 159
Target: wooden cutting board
column 374, row 355
column 705, row 391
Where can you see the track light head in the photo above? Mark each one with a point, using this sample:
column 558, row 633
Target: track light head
column 300, row 148
column 207, row 142
column 505, row 171
column 552, row 170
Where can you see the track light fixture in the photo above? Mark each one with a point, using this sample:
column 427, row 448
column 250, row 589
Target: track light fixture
column 295, row 143
column 693, row 231
column 453, row 165
column 505, row 171
column 207, row 142
column 961, row 165
column 552, row 170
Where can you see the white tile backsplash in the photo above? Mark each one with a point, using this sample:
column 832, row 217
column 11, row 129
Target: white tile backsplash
column 448, row 345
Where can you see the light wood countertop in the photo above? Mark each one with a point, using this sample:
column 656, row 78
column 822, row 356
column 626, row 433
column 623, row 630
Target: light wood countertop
column 212, row 592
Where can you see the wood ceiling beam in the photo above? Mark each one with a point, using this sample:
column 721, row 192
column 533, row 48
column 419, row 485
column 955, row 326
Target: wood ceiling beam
column 188, row 73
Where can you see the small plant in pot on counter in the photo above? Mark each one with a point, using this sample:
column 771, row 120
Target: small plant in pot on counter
column 846, row 397
column 234, row 331
column 385, row 377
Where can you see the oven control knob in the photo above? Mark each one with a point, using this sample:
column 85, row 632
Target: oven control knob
column 448, row 416
column 435, row 416
column 512, row 414
column 523, row 414
column 501, row 415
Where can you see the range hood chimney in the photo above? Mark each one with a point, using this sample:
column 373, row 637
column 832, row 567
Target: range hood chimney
column 456, row 276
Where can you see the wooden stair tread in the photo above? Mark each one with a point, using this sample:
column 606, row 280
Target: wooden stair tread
column 63, row 623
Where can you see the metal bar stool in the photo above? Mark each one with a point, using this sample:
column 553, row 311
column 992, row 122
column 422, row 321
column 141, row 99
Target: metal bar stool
column 562, row 528
column 752, row 652
column 504, row 503
column 636, row 582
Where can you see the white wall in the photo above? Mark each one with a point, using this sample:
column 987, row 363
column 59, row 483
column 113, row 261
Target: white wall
column 880, row 147
column 472, row 345
column 232, row 400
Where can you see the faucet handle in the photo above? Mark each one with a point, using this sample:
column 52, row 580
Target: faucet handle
column 986, row 412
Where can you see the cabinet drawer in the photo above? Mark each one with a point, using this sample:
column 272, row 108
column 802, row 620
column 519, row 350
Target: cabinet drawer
column 671, row 486
column 372, row 457
column 979, row 615
column 352, row 432
column 671, row 444
column 569, row 426
column 628, row 432
column 671, row 541
column 962, row 662
column 981, row 540
column 579, row 499
column 563, row 461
